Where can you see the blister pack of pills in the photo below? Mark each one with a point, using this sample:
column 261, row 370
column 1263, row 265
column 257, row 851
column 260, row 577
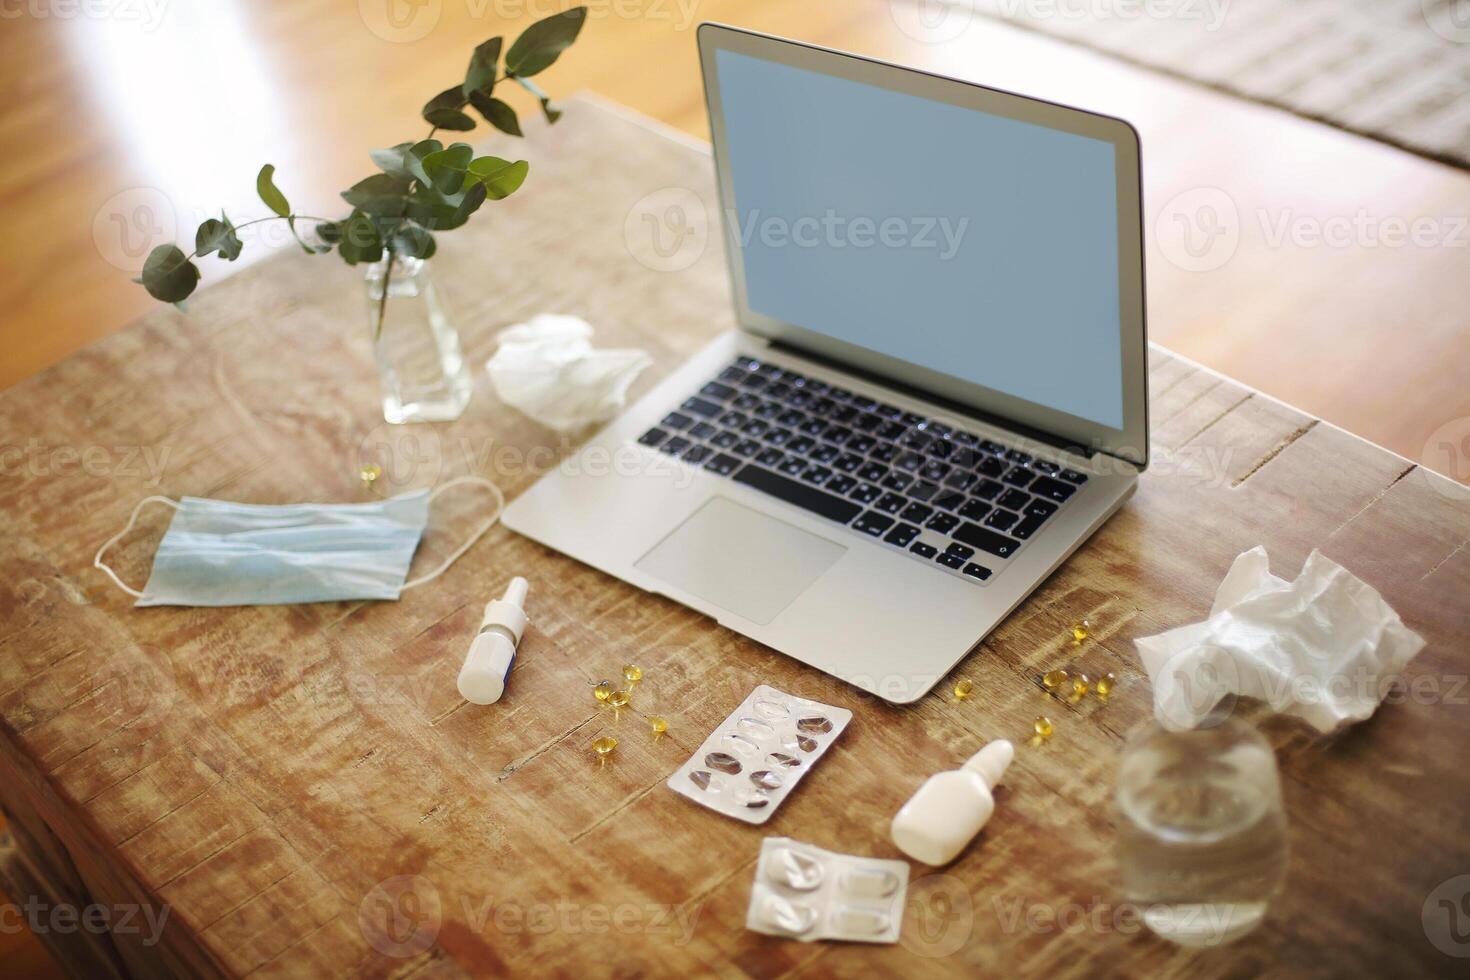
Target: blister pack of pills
column 750, row 762
column 803, row 892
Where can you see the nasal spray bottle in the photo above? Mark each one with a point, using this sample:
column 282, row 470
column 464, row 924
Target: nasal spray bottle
column 951, row 807
column 482, row 678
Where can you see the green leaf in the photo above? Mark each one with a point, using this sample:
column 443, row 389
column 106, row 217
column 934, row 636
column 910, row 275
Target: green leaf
column 473, row 198
column 446, row 169
column 480, row 77
column 415, row 242
column 168, row 275
column 415, row 158
column 497, row 113
column 551, row 113
column 330, row 232
column 500, row 178
column 541, row 43
column 442, row 111
column 360, row 240
column 218, row 235
column 265, row 186
column 380, row 194
column 393, row 160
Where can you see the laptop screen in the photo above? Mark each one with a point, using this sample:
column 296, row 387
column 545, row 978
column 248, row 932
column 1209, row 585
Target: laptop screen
column 977, row 246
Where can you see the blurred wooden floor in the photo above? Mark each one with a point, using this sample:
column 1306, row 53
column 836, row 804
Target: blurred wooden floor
column 1270, row 253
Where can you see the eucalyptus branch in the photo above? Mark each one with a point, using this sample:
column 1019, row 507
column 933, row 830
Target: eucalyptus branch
column 422, row 188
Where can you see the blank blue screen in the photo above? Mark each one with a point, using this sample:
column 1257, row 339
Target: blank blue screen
column 977, row 246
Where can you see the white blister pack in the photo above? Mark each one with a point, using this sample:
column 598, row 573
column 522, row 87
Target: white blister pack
column 803, row 892
column 748, row 765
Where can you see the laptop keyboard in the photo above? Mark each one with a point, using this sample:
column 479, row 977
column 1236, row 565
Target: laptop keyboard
column 944, row 496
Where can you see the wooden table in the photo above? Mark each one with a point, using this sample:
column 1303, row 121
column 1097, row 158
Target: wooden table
column 304, row 792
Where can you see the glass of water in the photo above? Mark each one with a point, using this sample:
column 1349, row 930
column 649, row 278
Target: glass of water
column 1201, row 831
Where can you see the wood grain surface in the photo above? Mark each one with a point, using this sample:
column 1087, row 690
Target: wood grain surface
column 304, row 792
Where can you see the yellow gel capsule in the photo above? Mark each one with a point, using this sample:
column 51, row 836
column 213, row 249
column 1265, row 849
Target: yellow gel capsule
column 1043, row 726
column 1054, row 679
column 658, row 725
column 618, row 699
column 632, row 673
column 1081, row 630
column 602, row 691
column 604, row 745
column 962, row 689
column 1079, row 686
column 369, row 474
column 1104, row 685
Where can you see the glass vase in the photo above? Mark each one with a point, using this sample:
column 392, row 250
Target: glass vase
column 421, row 368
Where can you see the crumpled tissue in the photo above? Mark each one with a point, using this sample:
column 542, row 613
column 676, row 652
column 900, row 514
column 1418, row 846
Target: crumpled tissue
column 548, row 368
column 1325, row 647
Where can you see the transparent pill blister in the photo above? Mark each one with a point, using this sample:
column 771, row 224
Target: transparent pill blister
column 803, row 892
column 756, row 756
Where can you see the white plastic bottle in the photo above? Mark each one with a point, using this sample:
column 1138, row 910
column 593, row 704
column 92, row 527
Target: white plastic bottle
column 482, row 678
column 951, row 807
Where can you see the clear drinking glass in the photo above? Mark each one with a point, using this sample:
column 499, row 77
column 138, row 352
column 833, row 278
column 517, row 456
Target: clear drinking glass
column 1201, row 831
column 422, row 371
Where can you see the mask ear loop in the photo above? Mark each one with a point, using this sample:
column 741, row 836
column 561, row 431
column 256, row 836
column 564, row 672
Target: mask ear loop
column 479, row 532
column 97, row 558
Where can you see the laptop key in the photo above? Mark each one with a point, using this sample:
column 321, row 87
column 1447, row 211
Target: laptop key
column 653, row 437
column 1045, row 466
column 949, row 499
column 696, row 454
column 724, row 440
column 733, row 420
column 1016, row 456
column 974, row 509
column 816, row 474
column 902, row 535
column 897, row 481
column 936, row 470
column 977, row 571
column 1051, row 489
column 677, row 421
column 724, row 464
column 701, row 407
column 847, row 462
column 923, row 490
column 861, row 443
column 986, row 540
column 748, row 448
column 872, row 472
column 884, row 452
column 1013, row 500
column 951, row 561
column 866, row 493
column 793, row 466
column 800, row 494
column 778, row 437
column 825, row 453
column 923, row 550
column 1001, row 520
column 802, row 444
column 702, row 430
column 909, row 461
column 755, row 427
column 1019, row 476
column 960, row 550
column 841, row 483
column 918, row 513
column 990, row 466
column 814, row 427
column 1028, row 526
column 890, row 503
column 1040, row 508
column 716, row 390
column 747, row 402
column 987, row 490
column 675, row 446
column 961, row 480
column 873, row 523
column 1072, row 476
column 890, row 430
column 991, row 446
column 770, row 457
column 942, row 523
column 732, row 374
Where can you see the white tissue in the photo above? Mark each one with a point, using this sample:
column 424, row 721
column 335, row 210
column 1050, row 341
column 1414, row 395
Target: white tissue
column 1325, row 647
column 548, row 369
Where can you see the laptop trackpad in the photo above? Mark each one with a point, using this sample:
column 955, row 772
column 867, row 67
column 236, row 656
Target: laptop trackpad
column 740, row 559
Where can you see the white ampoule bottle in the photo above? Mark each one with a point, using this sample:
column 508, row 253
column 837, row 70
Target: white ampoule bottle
column 482, row 678
column 951, row 807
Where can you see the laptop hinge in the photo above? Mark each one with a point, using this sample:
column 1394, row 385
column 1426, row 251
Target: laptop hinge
column 959, row 408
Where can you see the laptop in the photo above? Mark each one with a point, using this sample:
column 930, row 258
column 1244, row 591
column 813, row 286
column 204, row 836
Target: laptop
column 937, row 389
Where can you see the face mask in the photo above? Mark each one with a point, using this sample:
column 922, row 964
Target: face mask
column 216, row 553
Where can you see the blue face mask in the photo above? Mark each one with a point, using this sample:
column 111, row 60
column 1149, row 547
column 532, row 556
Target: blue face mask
column 217, row 553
